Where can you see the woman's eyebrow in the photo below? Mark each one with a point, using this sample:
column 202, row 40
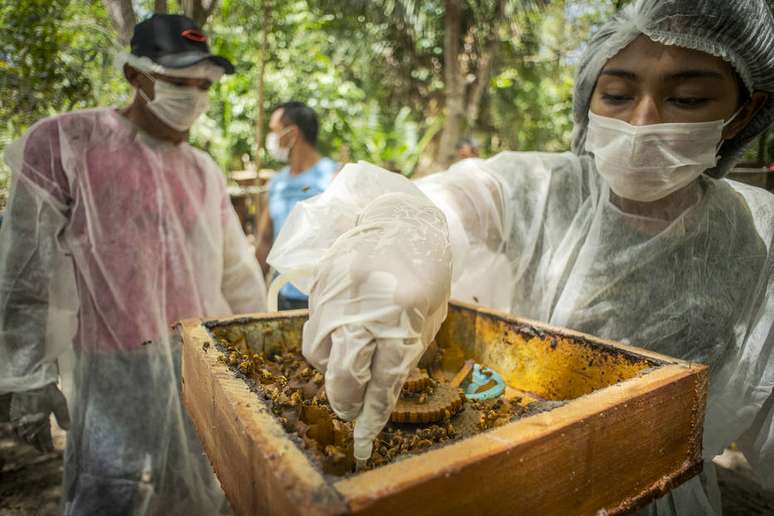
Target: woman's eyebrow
column 677, row 76
column 695, row 74
column 621, row 73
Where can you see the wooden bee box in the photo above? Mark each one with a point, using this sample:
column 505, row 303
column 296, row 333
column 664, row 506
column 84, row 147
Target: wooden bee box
column 630, row 430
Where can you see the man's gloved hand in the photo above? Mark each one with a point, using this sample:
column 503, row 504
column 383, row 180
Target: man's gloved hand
column 30, row 412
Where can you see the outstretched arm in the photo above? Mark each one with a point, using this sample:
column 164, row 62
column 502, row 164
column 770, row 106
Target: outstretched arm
column 377, row 261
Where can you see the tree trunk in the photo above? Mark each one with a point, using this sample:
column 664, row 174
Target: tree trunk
column 454, row 84
column 262, row 201
column 199, row 10
column 122, row 15
column 484, row 68
column 482, row 83
column 160, row 7
column 265, row 53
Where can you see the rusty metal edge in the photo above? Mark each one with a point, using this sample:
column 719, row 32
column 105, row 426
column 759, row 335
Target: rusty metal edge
column 658, row 489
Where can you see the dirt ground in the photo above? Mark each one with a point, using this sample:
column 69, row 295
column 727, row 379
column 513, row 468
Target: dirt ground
column 30, row 483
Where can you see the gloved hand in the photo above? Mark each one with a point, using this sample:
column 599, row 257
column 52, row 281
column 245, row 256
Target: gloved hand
column 378, row 297
column 364, row 379
column 30, row 412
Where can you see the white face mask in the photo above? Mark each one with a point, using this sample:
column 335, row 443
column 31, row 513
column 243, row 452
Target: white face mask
column 648, row 162
column 274, row 148
column 177, row 106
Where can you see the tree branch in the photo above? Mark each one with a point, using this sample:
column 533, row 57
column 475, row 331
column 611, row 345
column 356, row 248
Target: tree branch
column 199, row 10
column 265, row 56
column 122, row 15
column 485, row 62
column 454, row 82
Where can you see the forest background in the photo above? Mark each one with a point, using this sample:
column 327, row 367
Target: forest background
column 394, row 82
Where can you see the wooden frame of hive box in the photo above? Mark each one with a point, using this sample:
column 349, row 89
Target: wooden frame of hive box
column 631, row 431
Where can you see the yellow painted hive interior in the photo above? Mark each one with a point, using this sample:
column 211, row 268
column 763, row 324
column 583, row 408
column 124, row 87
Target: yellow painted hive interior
column 541, row 370
column 540, row 364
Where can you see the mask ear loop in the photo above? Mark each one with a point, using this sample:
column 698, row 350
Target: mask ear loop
column 730, row 120
column 726, row 123
column 142, row 93
column 280, row 134
column 283, row 133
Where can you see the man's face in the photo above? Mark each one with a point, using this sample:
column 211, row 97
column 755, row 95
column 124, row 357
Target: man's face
column 146, row 83
column 467, row 151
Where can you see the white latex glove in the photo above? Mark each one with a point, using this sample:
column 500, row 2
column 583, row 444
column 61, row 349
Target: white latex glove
column 364, row 379
column 378, row 298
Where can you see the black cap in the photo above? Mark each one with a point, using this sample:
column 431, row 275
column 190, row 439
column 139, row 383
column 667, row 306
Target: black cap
column 174, row 41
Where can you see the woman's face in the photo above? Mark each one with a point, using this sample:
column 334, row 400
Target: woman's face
column 650, row 83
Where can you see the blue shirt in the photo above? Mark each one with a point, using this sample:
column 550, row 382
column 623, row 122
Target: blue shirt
column 285, row 190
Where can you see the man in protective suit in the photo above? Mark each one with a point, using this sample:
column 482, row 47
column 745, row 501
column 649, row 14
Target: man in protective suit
column 115, row 229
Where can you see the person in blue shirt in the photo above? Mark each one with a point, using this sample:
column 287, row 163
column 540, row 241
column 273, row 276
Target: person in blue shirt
column 292, row 139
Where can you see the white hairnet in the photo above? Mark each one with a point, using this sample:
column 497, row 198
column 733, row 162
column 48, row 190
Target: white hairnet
column 204, row 70
column 738, row 31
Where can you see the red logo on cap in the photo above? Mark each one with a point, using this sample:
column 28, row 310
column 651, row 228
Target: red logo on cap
column 194, row 35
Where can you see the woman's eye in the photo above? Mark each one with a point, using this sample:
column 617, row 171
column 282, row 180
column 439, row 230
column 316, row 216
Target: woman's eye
column 615, row 99
column 688, row 102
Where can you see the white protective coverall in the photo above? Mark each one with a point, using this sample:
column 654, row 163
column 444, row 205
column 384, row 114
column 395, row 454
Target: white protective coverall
column 111, row 236
column 537, row 235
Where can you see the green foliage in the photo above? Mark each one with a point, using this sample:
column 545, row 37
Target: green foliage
column 531, row 93
column 37, row 76
column 54, row 57
column 306, row 62
column 372, row 70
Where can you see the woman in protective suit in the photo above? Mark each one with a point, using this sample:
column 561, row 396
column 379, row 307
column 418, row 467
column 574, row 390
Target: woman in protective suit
column 633, row 236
